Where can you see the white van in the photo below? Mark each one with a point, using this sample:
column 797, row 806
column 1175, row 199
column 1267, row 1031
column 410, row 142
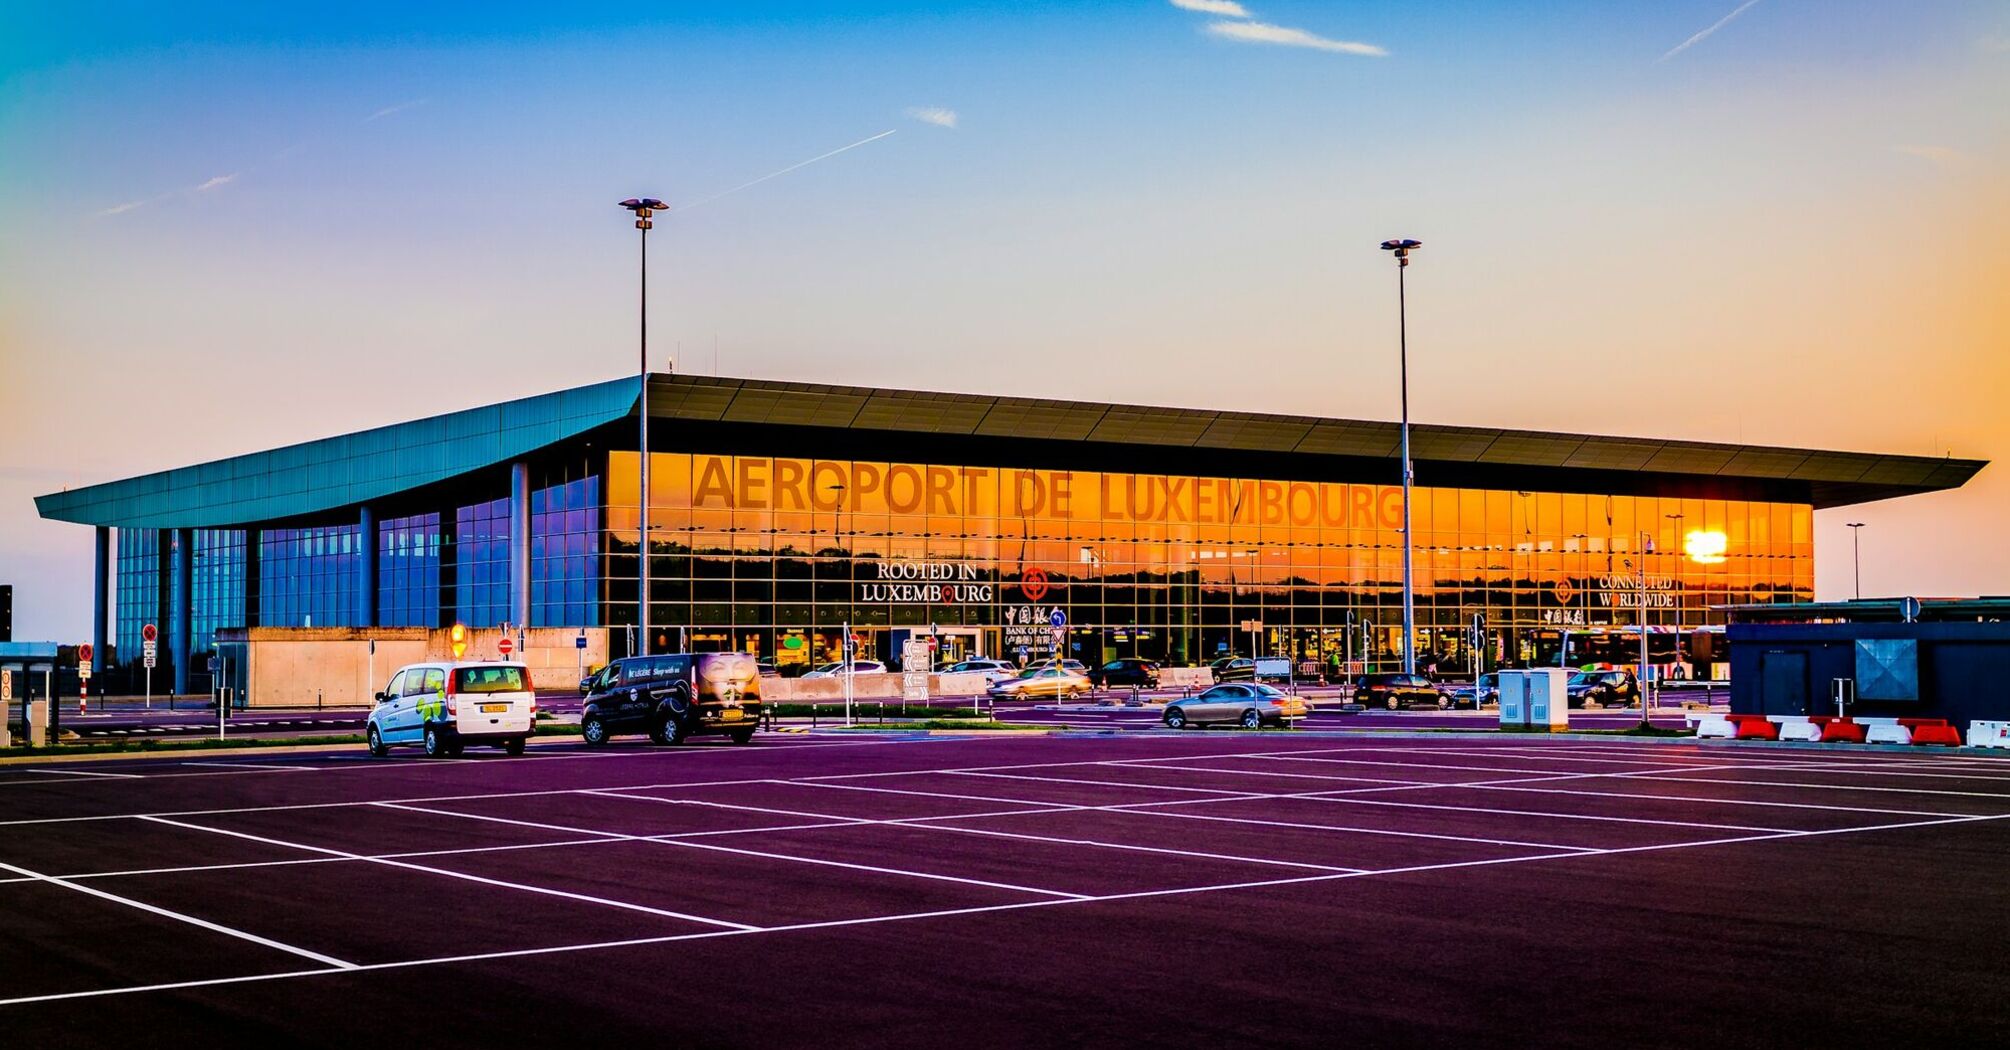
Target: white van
column 443, row 707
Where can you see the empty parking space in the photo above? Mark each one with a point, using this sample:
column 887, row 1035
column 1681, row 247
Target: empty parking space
column 802, row 855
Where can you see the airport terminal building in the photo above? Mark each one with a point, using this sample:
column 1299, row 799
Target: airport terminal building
column 784, row 513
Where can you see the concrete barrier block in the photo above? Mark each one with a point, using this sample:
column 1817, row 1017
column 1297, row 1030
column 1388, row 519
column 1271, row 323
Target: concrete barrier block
column 1802, row 730
column 1892, row 733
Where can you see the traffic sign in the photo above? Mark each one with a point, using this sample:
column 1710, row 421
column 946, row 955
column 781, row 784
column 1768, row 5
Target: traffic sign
column 84, row 653
column 1908, row 607
column 580, row 641
column 150, row 652
column 148, row 633
column 504, row 646
column 1057, row 618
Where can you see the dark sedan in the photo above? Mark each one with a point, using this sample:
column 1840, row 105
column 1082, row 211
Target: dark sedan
column 1234, row 669
column 1143, row 674
column 1397, row 691
column 1603, row 687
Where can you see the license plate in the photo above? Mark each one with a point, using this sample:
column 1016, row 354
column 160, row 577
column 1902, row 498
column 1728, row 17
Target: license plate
column 731, row 714
column 494, row 709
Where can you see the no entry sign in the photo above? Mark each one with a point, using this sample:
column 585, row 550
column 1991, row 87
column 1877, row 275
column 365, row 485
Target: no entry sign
column 505, row 646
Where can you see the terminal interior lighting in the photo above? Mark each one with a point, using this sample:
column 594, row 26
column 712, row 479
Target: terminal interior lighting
column 1706, row 546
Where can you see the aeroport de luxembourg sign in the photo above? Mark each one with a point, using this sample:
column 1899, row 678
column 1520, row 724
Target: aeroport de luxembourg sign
column 748, row 483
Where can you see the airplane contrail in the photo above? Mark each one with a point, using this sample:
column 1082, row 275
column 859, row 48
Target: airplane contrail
column 700, row 202
column 1714, row 26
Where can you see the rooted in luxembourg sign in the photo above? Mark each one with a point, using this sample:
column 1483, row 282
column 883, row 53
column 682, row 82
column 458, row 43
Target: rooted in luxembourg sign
column 934, row 582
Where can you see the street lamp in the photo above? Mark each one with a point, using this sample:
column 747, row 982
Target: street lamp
column 1402, row 250
column 643, row 207
column 1856, row 554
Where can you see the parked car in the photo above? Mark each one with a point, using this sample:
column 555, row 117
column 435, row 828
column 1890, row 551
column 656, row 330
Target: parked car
column 674, row 697
column 1468, row 694
column 1131, row 671
column 836, row 670
column 444, row 707
column 766, row 665
column 1234, row 669
column 1602, row 687
column 1397, row 691
column 1073, row 665
column 1046, row 681
column 992, row 670
column 1246, row 704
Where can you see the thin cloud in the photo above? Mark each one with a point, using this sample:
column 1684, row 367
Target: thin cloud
column 1940, row 156
column 399, row 108
column 1225, row 8
column 121, row 209
column 1265, row 33
column 936, row 115
column 1705, row 34
column 220, row 180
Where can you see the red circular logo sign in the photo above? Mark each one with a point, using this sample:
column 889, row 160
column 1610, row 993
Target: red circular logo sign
column 1034, row 584
column 505, row 646
column 1565, row 592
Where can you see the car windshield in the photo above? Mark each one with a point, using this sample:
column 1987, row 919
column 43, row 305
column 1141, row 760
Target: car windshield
column 1271, row 691
column 829, row 668
column 1583, row 679
column 489, row 680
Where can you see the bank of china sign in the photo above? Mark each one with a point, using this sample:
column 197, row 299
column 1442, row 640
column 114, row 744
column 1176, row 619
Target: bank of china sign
column 932, row 582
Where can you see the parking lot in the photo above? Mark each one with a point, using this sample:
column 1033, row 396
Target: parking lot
column 1138, row 889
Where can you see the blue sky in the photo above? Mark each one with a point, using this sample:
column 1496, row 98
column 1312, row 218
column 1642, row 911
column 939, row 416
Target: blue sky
column 245, row 225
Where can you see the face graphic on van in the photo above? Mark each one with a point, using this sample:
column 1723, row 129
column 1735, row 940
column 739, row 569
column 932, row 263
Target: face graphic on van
column 729, row 678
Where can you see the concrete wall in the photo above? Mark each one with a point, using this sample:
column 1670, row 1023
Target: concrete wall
column 331, row 666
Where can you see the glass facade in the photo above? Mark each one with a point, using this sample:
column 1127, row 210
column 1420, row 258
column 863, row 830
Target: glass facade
column 774, row 555
column 565, row 573
column 481, row 562
column 138, row 595
column 308, row 577
column 408, row 571
column 216, row 577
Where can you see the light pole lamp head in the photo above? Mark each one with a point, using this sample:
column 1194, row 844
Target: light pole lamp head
column 643, row 207
column 1402, row 248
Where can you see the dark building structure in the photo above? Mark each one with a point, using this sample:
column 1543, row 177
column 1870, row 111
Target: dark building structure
column 784, row 513
column 6, row 612
column 1937, row 658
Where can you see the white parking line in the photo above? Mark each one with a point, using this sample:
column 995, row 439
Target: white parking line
column 504, row 883
column 151, row 909
column 522, row 953
column 837, row 822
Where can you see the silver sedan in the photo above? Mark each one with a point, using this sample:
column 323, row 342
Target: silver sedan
column 1246, row 704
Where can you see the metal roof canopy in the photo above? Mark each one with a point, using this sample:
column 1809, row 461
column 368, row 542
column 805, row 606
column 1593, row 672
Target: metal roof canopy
column 316, row 477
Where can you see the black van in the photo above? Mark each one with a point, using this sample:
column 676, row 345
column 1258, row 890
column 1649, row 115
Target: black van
column 673, row 697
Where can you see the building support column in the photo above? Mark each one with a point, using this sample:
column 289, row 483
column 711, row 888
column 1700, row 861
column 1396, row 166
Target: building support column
column 100, row 592
column 251, row 586
column 519, row 544
column 366, row 567
column 180, row 606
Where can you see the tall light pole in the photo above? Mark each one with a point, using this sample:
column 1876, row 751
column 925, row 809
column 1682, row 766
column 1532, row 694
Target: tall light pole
column 1683, row 546
column 1856, row 554
column 643, row 207
column 1402, row 250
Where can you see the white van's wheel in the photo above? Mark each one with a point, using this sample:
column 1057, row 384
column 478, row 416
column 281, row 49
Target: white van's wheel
column 377, row 747
column 436, row 745
column 514, row 747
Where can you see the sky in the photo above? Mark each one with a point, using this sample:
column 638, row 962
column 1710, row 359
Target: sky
column 230, row 227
